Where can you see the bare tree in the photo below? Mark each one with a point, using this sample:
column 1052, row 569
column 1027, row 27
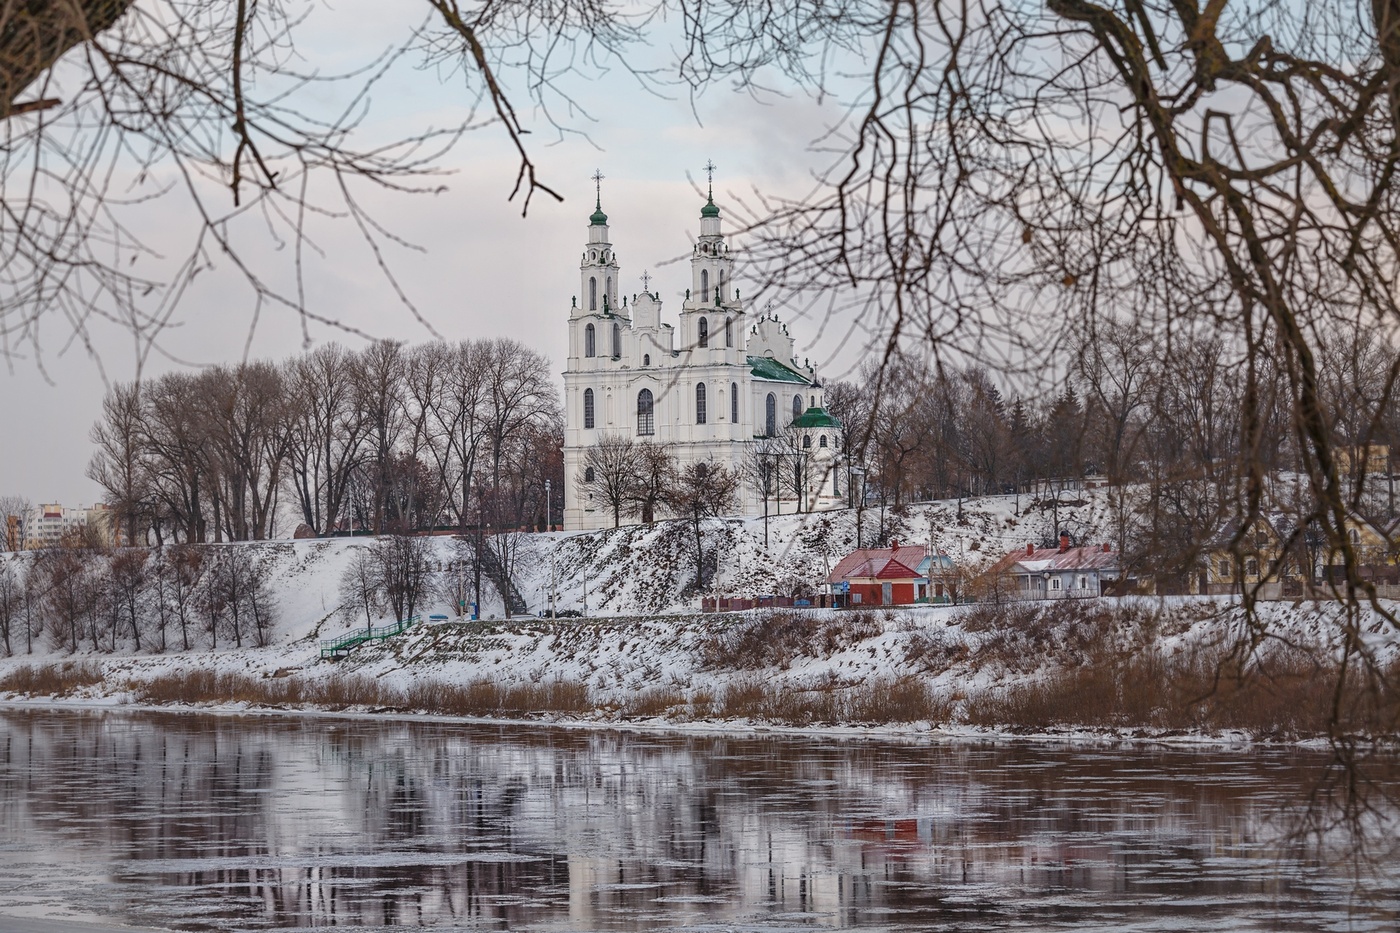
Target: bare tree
column 14, row 513
column 118, row 465
column 327, row 434
column 360, row 587
column 402, row 568
column 609, row 472
column 11, row 601
column 653, row 479
column 704, row 490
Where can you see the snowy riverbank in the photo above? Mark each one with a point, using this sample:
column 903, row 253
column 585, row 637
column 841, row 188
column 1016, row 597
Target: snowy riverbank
column 1145, row 668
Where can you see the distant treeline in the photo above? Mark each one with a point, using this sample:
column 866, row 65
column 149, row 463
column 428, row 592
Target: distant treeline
column 1136, row 406
column 383, row 439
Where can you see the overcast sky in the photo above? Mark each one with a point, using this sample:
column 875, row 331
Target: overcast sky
column 486, row 271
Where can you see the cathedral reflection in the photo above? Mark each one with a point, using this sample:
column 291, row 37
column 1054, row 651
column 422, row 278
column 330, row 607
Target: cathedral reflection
column 222, row 823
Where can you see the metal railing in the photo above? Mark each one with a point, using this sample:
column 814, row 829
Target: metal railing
column 340, row 647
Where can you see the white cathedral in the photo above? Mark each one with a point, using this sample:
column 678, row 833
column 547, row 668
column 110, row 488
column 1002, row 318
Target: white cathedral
column 723, row 384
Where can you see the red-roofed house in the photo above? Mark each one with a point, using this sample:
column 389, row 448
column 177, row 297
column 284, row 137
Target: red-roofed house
column 1051, row 573
column 882, row 576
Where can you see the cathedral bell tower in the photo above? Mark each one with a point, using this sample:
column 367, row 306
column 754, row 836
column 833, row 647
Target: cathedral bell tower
column 712, row 317
column 598, row 270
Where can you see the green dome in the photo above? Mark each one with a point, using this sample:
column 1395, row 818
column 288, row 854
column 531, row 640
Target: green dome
column 709, row 210
column 598, row 218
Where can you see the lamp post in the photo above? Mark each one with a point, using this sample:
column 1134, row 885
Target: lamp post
column 766, row 466
column 548, row 527
column 859, row 472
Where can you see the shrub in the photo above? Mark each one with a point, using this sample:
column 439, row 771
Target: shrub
column 777, row 638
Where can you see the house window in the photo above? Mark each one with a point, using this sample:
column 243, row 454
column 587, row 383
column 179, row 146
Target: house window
column 1355, row 536
column 617, row 341
column 700, row 403
column 806, row 442
column 821, row 441
column 770, row 421
column 646, row 359
column 590, row 341
column 1054, row 583
column 734, row 402
column 646, row 422
column 796, row 407
column 1083, row 582
column 704, row 284
column 1225, row 568
column 592, row 294
column 588, row 474
column 588, row 408
column 728, row 332
column 704, row 332
column 1251, row 567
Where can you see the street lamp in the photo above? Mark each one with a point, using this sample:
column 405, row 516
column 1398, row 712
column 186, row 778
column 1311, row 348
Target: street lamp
column 859, row 471
column 548, row 527
column 766, row 468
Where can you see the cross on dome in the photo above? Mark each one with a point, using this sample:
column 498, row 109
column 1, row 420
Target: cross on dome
column 709, row 210
column 598, row 218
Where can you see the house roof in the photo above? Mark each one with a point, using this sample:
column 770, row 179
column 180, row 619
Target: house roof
column 765, row 367
column 884, row 563
column 1054, row 560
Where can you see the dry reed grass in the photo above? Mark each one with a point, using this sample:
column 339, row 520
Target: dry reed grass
column 870, row 702
column 51, row 679
column 1280, row 692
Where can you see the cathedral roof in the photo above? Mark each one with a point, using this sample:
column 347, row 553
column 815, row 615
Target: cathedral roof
column 709, row 210
column 816, row 418
column 765, row 367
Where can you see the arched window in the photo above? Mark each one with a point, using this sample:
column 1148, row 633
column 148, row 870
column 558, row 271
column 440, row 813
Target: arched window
column 592, row 294
column 646, row 359
column 734, row 402
column 806, row 442
column 770, row 425
column 796, row 407
column 590, row 341
column 617, row 341
column 704, row 284
column 721, row 283
column 607, row 292
column 821, row 441
column 729, row 332
column 588, row 408
column 588, row 474
column 704, row 332
column 700, row 403
column 646, row 419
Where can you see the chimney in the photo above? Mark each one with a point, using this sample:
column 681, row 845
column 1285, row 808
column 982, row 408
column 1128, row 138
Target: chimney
column 1064, row 541
column 1105, row 547
column 1030, row 549
column 894, row 544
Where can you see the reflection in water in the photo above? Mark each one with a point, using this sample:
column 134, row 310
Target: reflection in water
column 225, row 823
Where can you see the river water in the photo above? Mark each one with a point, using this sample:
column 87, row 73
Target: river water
column 198, row 822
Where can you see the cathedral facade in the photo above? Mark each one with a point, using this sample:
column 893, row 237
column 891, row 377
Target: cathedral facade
column 718, row 385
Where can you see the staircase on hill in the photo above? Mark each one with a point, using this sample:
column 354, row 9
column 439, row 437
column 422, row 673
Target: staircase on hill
column 336, row 648
column 491, row 566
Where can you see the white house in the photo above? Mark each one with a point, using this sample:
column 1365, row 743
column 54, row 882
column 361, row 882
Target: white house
column 712, row 385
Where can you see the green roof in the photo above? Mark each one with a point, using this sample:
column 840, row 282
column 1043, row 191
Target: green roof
column 764, row 367
column 816, row 418
column 709, row 210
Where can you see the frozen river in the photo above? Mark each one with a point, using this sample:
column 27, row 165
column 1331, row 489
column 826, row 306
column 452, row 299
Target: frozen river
column 233, row 823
